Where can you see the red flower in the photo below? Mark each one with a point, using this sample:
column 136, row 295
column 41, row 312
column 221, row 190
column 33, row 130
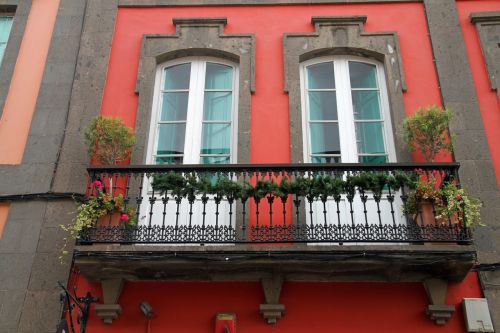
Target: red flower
column 97, row 184
column 124, row 217
column 459, row 197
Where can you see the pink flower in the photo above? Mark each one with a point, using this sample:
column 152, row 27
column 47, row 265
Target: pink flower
column 124, row 217
column 459, row 197
column 97, row 184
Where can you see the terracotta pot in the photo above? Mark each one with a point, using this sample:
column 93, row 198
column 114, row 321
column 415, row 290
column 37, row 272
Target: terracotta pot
column 425, row 214
column 110, row 219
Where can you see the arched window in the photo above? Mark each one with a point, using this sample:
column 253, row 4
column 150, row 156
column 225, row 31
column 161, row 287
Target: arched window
column 194, row 117
column 345, row 111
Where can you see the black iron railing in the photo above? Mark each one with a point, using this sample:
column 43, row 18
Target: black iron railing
column 272, row 203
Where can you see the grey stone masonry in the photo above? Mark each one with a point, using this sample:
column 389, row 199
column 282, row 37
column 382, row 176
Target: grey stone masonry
column 471, row 148
column 32, row 239
column 488, row 28
column 86, row 94
column 458, row 94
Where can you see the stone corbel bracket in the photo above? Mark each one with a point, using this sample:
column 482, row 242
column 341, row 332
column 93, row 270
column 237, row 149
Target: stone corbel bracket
column 110, row 310
column 271, row 311
column 438, row 310
column 488, row 29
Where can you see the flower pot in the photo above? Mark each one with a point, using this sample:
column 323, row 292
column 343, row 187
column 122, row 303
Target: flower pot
column 110, row 219
column 425, row 214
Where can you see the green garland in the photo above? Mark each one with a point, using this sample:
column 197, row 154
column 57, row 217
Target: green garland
column 316, row 186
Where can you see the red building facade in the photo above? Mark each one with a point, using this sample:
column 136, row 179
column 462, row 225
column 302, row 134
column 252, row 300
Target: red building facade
column 127, row 58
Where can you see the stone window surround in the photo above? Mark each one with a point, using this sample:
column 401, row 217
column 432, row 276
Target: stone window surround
column 488, row 29
column 342, row 35
column 195, row 37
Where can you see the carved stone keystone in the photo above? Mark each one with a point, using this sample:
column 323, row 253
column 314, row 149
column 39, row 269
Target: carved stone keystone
column 272, row 310
column 111, row 290
column 436, row 292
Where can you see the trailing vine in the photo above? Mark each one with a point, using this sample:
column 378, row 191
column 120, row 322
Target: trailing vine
column 94, row 208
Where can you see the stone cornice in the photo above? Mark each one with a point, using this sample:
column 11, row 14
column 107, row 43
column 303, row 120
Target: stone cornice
column 173, row 3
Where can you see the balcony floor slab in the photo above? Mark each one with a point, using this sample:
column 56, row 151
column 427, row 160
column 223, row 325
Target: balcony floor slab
column 408, row 263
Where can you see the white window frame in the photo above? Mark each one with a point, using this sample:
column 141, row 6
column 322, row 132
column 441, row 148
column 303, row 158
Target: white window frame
column 194, row 118
column 347, row 135
column 4, row 43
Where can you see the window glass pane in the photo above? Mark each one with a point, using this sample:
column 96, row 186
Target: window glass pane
column 322, row 105
column 366, row 104
column 216, row 139
column 372, row 159
column 362, row 75
column 325, row 138
column 215, row 160
column 5, row 25
column 171, row 139
column 177, row 77
column 174, row 106
column 217, row 106
column 218, row 76
column 326, row 159
column 370, row 138
column 321, row 76
column 169, row 160
column 2, row 50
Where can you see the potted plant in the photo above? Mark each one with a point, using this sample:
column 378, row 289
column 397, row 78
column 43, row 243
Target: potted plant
column 100, row 206
column 442, row 204
column 422, row 203
column 427, row 129
column 459, row 206
column 109, row 142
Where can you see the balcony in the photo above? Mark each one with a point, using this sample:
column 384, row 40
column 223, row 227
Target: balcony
column 315, row 221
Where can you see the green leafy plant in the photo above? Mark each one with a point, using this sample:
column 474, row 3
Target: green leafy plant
column 228, row 188
column 262, row 188
column 284, row 189
column 109, row 140
column 460, row 206
column 172, row 182
column 426, row 189
column 427, row 129
column 432, row 187
column 324, row 186
column 449, row 202
column 98, row 206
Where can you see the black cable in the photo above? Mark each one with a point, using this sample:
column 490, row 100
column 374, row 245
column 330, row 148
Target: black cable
column 43, row 196
column 240, row 257
column 486, row 267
